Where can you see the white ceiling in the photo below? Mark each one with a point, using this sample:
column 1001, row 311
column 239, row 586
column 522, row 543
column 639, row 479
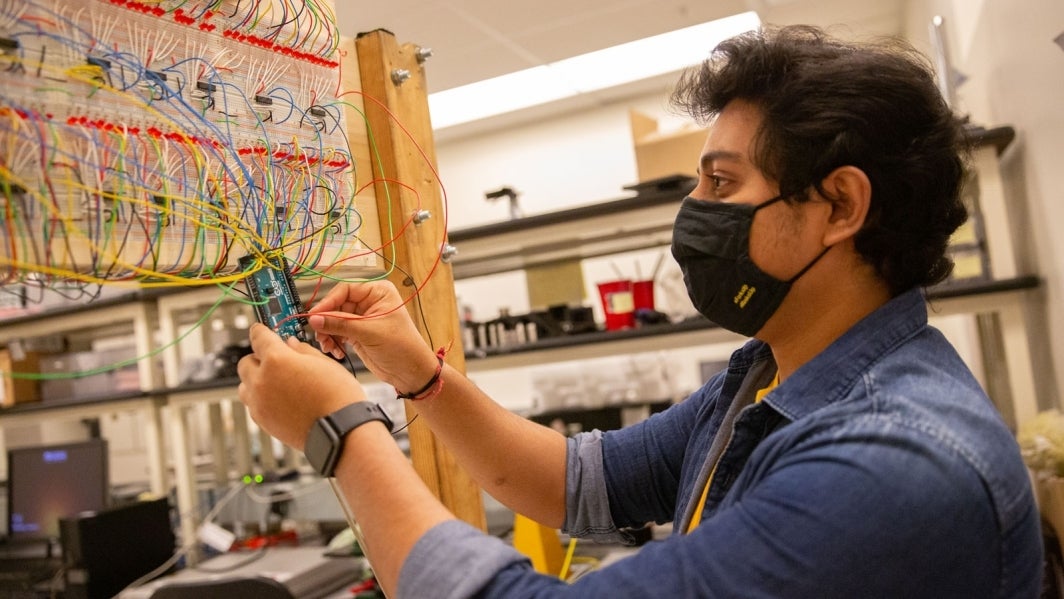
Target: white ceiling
column 477, row 39
column 473, row 40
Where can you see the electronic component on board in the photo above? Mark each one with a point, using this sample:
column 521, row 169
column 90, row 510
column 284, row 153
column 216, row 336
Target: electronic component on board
column 96, row 61
column 275, row 297
column 8, row 188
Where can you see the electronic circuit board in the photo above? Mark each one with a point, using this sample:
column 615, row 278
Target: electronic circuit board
column 161, row 140
column 275, row 296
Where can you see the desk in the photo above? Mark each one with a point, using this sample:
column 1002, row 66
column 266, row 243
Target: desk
column 300, row 572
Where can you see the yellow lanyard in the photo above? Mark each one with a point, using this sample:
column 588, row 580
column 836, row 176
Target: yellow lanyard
column 697, row 518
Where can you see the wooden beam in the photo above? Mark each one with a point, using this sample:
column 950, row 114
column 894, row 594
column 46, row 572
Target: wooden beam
column 400, row 130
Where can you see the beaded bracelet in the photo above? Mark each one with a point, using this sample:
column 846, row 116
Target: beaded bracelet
column 427, row 391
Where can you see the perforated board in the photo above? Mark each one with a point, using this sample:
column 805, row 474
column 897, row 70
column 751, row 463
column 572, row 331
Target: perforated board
column 163, row 141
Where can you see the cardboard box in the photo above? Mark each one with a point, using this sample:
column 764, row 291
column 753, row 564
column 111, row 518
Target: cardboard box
column 18, row 390
column 663, row 154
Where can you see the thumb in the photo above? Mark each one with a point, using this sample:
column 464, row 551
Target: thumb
column 262, row 338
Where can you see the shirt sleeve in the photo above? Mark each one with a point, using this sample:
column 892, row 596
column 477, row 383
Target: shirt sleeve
column 587, row 508
column 643, row 464
column 454, row 560
column 626, row 478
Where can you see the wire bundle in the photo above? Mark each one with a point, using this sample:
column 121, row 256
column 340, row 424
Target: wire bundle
column 158, row 142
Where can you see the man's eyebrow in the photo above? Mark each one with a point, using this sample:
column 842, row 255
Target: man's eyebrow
column 708, row 158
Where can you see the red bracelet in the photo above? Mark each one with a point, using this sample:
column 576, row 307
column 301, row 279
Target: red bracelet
column 427, row 391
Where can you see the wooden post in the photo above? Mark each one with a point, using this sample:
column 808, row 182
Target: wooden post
column 396, row 108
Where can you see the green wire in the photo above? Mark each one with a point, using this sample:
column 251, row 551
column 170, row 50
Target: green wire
column 52, row 376
column 388, row 194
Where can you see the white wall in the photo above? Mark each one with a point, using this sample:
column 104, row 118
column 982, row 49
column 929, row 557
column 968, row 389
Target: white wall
column 574, row 159
column 1016, row 78
column 577, row 159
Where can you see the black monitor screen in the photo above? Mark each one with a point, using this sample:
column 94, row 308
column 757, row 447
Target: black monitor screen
column 45, row 484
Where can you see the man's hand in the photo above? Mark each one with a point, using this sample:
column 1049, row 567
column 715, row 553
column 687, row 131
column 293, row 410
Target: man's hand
column 287, row 385
column 372, row 318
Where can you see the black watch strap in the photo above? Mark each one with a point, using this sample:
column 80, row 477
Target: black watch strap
column 325, row 441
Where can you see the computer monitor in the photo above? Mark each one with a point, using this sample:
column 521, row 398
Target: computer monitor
column 51, row 482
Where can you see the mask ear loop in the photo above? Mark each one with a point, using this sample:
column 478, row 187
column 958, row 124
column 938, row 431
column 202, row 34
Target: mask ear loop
column 791, row 281
column 810, row 265
column 769, row 202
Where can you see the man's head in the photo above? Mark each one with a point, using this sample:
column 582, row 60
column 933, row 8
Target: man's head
column 826, row 104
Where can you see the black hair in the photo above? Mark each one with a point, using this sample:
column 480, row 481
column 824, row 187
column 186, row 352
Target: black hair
column 827, row 103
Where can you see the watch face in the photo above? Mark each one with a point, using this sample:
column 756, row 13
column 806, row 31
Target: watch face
column 320, row 447
column 325, row 439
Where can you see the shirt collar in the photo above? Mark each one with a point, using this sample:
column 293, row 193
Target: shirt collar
column 832, row 373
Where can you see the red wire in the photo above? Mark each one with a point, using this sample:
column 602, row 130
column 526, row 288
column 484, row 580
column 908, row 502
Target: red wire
column 445, row 203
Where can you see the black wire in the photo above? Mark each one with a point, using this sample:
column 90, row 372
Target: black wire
column 412, row 283
column 351, row 365
column 421, row 312
column 405, row 426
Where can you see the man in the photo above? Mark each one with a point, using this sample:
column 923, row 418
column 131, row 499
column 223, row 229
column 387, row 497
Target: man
column 846, row 451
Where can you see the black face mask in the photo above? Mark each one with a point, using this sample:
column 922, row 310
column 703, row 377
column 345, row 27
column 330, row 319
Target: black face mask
column 711, row 242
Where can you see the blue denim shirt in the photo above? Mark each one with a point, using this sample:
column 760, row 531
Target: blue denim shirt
column 878, row 469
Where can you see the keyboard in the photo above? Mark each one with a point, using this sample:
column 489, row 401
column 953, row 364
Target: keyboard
column 29, row 574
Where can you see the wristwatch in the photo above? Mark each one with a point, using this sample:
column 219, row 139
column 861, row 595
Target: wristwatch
column 325, row 441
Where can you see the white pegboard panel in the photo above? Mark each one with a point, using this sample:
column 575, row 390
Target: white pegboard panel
column 161, row 141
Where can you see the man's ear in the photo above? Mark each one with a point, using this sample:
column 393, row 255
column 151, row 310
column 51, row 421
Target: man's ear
column 849, row 191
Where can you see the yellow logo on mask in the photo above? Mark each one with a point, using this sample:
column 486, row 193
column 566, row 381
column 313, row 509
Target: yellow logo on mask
column 744, row 295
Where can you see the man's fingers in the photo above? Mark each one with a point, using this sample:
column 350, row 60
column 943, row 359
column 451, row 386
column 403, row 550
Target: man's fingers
column 344, row 295
column 374, row 297
column 303, row 348
column 332, row 300
column 330, row 344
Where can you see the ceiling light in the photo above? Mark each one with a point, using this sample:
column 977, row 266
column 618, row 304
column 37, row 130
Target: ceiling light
column 594, row 71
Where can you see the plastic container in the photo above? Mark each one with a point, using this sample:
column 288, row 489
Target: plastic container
column 643, row 295
column 617, row 304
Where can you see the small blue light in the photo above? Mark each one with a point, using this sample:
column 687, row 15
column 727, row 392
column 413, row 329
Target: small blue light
column 55, row 456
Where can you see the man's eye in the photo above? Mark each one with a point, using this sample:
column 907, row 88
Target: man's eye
column 717, row 181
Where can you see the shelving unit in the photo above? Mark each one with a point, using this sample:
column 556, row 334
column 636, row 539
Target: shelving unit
column 136, row 311
column 632, row 223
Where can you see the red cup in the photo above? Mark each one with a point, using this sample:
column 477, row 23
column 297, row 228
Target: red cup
column 643, row 295
column 618, row 304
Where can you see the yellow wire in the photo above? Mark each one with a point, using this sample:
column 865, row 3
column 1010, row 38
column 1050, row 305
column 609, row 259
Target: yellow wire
column 72, row 228
column 568, row 559
column 214, row 218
